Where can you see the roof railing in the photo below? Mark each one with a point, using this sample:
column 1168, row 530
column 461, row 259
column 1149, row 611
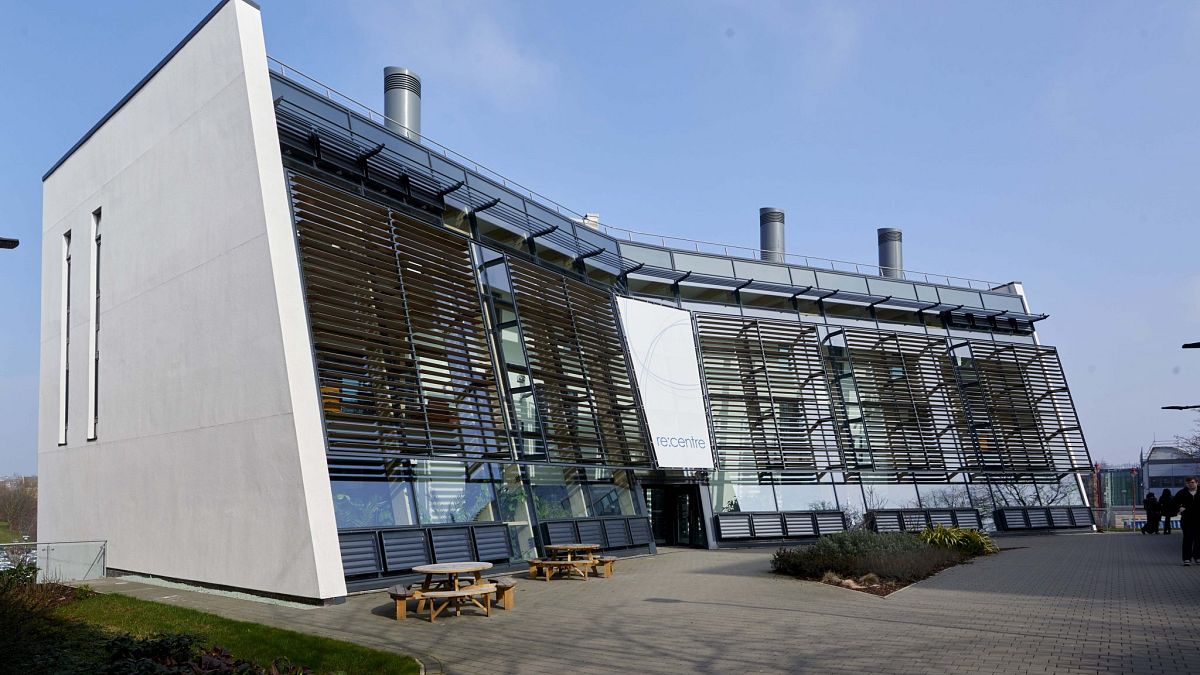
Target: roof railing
column 620, row 233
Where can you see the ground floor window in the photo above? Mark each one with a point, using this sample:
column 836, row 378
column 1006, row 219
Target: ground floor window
column 372, row 504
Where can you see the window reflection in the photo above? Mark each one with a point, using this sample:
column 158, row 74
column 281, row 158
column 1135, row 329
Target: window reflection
column 372, row 504
column 453, row 492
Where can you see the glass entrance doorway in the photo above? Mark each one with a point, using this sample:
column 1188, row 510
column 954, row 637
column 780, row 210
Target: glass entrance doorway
column 675, row 514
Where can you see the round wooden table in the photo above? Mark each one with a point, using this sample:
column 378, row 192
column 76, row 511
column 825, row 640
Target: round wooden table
column 568, row 551
column 451, row 570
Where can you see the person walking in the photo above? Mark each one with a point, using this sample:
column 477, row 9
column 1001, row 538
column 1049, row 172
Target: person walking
column 1153, row 512
column 1167, row 506
column 1188, row 504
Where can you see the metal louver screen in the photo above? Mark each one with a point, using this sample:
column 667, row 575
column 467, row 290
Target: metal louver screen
column 616, row 533
column 767, row 524
column 491, row 542
column 733, row 526
column 943, row 518
column 968, row 518
column 639, row 531
column 828, row 523
column 581, row 378
column 401, row 349
column 1081, row 516
column 904, row 407
column 884, row 406
column 561, row 532
column 768, row 395
column 451, row 544
column 590, row 531
column 360, row 553
column 1028, row 426
column 404, row 550
column 800, row 524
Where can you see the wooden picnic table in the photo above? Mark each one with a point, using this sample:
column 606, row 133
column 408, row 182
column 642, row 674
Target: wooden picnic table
column 569, row 551
column 451, row 570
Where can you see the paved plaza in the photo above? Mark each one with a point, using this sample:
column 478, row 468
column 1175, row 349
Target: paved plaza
column 1068, row 603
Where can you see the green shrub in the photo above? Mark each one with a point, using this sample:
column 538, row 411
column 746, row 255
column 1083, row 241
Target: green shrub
column 21, row 574
column 182, row 654
column 964, row 540
column 895, row 555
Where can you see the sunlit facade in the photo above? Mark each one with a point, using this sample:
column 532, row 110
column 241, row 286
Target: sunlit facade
column 467, row 375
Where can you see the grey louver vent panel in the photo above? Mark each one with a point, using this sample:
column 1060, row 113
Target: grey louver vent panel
column 800, row 524
column 767, row 525
column 1082, row 516
column 943, row 518
column 639, row 531
column 404, row 550
column 491, row 543
column 968, row 518
column 913, row 520
column 1038, row 518
column 616, row 533
column 591, row 531
column 451, row 544
column 887, row 522
column 562, row 532
column 1041, row 518
column 1060, row 517
column 733, row 526
column 360, row 554
column 829, row 522
column 610, row 532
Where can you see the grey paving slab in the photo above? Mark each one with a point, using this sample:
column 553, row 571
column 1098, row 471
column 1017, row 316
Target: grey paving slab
column 1078, row 603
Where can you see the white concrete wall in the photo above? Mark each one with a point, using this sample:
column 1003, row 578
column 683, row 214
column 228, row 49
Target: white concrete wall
column 209, row 460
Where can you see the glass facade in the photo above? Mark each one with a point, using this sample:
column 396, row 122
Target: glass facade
column 473, row 369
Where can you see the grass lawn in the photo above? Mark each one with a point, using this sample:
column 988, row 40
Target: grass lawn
column 7, row 536
column 255, row 642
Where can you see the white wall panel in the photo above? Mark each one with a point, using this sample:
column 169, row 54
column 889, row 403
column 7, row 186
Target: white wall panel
column 208, row 463
column 662, row 344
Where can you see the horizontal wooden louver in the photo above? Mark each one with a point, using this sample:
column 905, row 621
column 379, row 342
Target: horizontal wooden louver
column 401, row 349
column 582, row 384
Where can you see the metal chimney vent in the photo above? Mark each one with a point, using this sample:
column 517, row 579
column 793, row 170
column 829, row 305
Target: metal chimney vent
column 891, row 253
column 770, row 234
column 402, row 101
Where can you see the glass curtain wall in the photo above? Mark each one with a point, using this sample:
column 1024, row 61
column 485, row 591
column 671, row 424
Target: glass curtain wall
column 432, row 492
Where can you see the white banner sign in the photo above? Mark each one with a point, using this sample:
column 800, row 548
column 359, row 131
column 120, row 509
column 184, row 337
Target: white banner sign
column 663, row 346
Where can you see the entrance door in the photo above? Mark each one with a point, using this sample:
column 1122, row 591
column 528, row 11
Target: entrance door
column 675, row 514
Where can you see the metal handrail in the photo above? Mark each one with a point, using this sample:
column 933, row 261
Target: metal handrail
column 620, row 233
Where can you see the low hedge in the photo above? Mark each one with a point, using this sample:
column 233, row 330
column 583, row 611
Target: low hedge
column 890, row 555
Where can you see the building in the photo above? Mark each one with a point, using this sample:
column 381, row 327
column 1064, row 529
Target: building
column 1166, row 466
column 316, row 349
column 1116, row 496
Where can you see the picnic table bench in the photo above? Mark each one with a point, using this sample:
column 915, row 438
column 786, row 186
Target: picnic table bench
column 567, row 558
column 546, row 569
column 479, row 595
column 504, row 589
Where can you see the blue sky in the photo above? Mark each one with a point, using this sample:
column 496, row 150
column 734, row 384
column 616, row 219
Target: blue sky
column 1052, row 143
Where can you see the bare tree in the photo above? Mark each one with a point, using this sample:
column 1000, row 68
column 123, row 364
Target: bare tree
column 1031, row 494
column 947, row 498
column 18, row 505
column 1190, row 443
column 872, row 499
